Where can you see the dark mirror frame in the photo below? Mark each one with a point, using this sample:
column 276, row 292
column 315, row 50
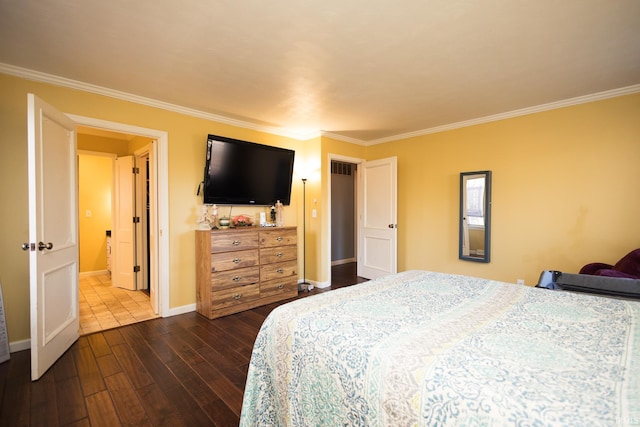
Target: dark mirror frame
column 486, row 255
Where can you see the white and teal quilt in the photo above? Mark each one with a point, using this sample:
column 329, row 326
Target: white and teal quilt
column 430, row 349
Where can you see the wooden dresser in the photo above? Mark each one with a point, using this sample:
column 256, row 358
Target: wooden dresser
column 242, row 268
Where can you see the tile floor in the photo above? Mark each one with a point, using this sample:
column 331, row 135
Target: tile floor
column 103, row 306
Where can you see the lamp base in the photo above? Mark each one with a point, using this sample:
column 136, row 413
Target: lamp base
column 304, row 286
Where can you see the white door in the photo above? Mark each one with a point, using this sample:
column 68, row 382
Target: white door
column 53, row 234
column 123, row 237
column 145, row 236
column 377, row 248
column 152, row 239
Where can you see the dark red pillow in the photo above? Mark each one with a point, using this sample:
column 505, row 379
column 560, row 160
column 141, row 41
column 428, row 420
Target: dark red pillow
column 594, row 267
column 629, row 264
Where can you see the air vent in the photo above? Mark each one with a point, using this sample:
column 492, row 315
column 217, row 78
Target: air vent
column 340, row 168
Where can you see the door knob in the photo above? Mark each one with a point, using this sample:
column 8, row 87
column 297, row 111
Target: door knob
column 26, row 246
column 42, row 246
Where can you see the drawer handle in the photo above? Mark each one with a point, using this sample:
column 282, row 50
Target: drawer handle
column 235, row 242
column 280, row 286
column 237, row 296
column 280, row 271
column 237, row 260
column 279, row 239
column 236, row 279
column 279, row 254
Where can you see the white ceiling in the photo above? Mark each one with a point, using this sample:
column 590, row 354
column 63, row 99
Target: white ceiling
column 360, row 70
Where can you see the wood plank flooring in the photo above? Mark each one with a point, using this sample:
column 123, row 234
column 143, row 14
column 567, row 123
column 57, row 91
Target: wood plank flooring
column 183, row 370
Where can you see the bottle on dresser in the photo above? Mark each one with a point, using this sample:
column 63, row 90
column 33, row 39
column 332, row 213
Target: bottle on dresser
column 279, row 214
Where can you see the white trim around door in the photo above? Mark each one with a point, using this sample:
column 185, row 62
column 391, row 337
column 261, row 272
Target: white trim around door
column 161, row 224
column 339, row 158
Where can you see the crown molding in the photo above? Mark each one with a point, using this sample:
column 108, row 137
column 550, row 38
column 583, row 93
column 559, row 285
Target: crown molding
column 628, row 90
column 297, row 134
column 344, row 138
column 124, row 96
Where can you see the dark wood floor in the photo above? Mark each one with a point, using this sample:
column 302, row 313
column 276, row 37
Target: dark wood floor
column 179, row 371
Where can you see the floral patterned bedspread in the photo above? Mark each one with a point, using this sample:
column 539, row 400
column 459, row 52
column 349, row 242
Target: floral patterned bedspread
column 429, row 349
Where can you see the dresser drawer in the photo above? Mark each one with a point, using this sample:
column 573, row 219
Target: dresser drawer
column 234, row 296
column 287, row 285
column 279, row 270
column 234, row 241
column 278, row 237
column 231, row 260
column 278, row 254
column 234, row 278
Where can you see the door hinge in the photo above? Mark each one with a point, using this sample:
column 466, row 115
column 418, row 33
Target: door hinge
column 136, row 268
column 136, row 170
column 136, row 219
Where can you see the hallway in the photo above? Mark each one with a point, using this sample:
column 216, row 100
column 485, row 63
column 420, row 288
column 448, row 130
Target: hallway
column 103, row 306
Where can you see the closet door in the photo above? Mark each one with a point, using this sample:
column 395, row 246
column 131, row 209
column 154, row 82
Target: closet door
column 377, row 249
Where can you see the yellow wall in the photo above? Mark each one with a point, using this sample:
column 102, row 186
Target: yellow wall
column 95, row 180
column 565, row 190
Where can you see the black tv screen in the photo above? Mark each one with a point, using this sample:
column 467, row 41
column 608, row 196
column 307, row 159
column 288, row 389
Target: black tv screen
column 245, row 173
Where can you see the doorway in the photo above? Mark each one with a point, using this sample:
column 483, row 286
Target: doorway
column 104, row 303
column 51, row 141
column 343, row 238
column 343, row 212
column 159, row 211
column 375, row 215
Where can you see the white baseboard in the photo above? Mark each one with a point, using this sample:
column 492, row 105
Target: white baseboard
column 317, row 284
column 93, row 273
column 19, row 345
column 180, row 310
column 322, row 284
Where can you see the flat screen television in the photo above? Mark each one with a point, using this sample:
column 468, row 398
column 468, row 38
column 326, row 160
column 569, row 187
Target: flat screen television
column 246, row 173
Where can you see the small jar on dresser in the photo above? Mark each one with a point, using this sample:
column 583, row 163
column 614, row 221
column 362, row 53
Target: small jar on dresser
column 241, row 268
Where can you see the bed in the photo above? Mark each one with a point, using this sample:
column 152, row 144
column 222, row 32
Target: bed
column 429, row 349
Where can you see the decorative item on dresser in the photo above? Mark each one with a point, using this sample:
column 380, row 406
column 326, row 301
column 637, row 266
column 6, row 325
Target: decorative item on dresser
column 242, row 268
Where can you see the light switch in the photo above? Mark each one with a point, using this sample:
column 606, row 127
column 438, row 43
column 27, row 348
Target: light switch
column 87, row 213
column 314, row 213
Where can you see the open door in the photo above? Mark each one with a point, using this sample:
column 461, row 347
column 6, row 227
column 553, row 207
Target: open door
column 53, row 234
column 145, row 237
column 123, row 243
column 377, row 228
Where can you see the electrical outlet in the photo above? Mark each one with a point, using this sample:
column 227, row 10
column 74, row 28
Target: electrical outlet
column 520, row 282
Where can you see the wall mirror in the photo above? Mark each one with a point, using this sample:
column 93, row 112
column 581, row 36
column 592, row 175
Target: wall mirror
column 475, row 216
